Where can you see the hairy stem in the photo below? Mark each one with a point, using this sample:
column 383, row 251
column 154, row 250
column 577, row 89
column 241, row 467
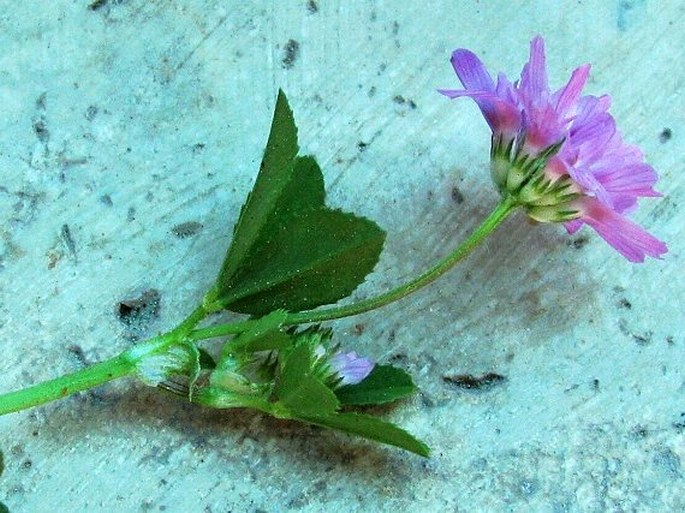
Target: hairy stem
column 499, row 214
column 61, row 387
column 120, row 366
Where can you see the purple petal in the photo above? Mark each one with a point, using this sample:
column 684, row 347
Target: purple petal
column 350, row 367
column 501, row 115
column 471, row 71
column 632, row 179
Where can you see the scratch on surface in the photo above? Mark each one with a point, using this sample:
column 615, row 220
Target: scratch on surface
column 65, row 233
column 202, row 41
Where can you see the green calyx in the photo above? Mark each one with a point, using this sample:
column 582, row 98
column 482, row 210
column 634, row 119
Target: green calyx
column 546, row 196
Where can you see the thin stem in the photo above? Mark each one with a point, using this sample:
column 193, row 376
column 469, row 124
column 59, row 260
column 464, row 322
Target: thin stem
column 63, row 386
column 220, row 330
column 123, row 365
column 191, row 321
column 503, row 209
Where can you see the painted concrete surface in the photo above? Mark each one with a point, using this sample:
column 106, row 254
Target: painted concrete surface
column 130, row 133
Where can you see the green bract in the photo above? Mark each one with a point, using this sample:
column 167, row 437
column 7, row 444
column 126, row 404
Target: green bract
column 296, row 389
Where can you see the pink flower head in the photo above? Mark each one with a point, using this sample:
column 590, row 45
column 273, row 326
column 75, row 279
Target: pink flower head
column 559, row 154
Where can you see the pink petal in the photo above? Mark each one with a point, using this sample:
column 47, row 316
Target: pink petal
column 568, row 96
column 534, row 74
column 629, row 239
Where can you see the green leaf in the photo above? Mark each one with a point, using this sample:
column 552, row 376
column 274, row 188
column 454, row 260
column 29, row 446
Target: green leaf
column 372, row 429
column 274, row 174
column 311, row 260
column 289, row 250
column 180, row 359
column 385, row 384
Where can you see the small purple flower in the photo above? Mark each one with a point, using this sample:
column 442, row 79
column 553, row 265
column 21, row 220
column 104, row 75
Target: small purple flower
column 559, row 154
column 350, row 368
column 342, row 368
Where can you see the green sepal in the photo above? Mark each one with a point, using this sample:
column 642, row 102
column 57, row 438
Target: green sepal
column 371, row 428
column 298, row 389
column 384, row 385
column 205, row 360
column 263, row 334
column 289, row 250
column 179, row 359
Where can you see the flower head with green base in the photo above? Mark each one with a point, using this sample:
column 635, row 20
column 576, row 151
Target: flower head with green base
column 559, row 154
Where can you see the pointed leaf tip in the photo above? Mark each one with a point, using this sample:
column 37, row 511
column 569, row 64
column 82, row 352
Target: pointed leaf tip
column 290, row 251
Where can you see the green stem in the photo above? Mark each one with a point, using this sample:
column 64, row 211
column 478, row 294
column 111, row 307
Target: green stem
column 63, row 386
column 123, row 365
column 220, row 330
column 496, row 217
column 191, row 321
column 503, row 209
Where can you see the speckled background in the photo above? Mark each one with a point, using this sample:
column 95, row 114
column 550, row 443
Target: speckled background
column 130, row 133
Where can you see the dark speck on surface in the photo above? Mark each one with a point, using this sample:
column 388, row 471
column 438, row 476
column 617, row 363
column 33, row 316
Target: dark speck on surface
column 40, row 128
column 106, row 200
column 290, row 53
column 65, row 233
column 457, row 195
column 665, row 135
column 628, row 13
column 669, row 462
column 91, row 112
column 185, row 230
column 643, row 339
column 579, row 242
column 312, row 7
column 471, row 382
column 624, row 303
column 401, row 100
column 97, row 4
column 640, row 432
column 361, row 146
column 138, row 312
column 78, row 353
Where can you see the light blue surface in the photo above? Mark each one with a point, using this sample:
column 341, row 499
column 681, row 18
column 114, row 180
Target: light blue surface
column 124, row 121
